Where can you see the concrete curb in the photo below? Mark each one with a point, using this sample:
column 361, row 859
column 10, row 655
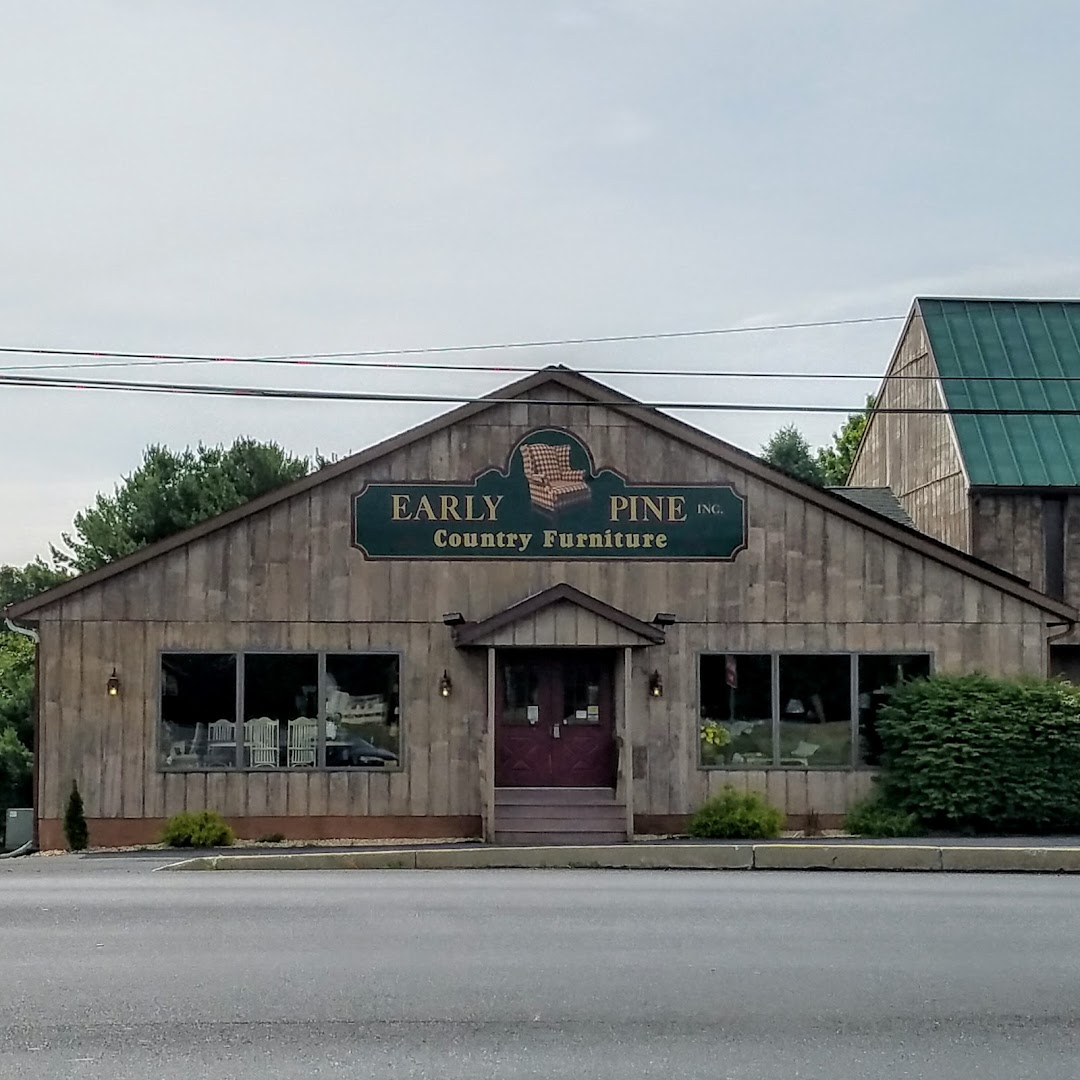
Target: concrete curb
column 911, row 857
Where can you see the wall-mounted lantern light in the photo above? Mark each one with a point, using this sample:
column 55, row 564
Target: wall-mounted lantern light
column 453, row 618
column 445, row 685
column 656, row 685
column 112, row 687
column 665, row 618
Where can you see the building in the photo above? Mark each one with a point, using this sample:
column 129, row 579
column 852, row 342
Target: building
column 992, row 469
column 554, row 613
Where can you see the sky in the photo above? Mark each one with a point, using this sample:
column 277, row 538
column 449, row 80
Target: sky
column 249, row 178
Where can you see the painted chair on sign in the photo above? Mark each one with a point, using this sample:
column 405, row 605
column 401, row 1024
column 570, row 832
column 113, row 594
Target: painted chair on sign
column 302, row 741
column 261, row 740
column 553, row 484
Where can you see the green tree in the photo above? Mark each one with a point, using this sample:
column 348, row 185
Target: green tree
column 171, row 491
column 835, row 461
column 21, row 582
column 788, row 450
column 75, row 829
column 16, row 772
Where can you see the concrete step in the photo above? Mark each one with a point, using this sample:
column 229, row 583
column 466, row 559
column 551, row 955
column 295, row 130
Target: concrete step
column 576, row 812
column 560, row 839
column 554, row 796
column 551, row 823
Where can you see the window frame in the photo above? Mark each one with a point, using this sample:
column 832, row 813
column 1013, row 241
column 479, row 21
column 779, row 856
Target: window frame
column 855, row 763
column 320, row 746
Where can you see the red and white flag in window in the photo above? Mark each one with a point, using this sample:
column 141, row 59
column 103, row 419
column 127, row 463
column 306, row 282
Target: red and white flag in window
column 731, row 673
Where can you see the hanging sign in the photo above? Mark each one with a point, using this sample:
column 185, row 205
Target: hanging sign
column 549, row 503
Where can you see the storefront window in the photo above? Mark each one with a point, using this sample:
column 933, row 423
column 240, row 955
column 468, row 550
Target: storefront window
column 281, row 724
column 198, row 707
column 877, row 676
column 815, row 710
column 736, row 710
column 281, row 710
column 362, row 721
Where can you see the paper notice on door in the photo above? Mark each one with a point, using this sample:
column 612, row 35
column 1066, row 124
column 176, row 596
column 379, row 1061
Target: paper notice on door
column 532, row 713
column 582, row 715
column 594, row 712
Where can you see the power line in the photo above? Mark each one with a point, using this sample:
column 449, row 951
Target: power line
column 526, row 370
column 426, row 350
column 460, row 399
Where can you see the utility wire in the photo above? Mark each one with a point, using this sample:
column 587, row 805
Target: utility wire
column 427, row 350
column 524, row 370
column 459, row 399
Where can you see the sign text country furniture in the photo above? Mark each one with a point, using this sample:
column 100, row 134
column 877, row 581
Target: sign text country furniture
column 549, row 503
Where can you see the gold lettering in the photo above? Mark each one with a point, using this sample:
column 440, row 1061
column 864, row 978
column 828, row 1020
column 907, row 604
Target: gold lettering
column 647, row 539
column 399, row 508
column 448, row 508
column 661, row 540
column 440, row 538
column 492, row 504
column 424, row 507
column 619, row 503
column 487, row 540
column 526, row 539
column 676, row 508
column 653, row 506
column 549, row 537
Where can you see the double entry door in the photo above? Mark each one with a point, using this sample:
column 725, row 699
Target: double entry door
column 554, row 718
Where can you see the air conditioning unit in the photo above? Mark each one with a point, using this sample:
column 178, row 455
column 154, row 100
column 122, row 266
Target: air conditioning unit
column 20, row 828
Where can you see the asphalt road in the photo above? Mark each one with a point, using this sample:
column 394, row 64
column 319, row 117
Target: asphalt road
column 108, row 970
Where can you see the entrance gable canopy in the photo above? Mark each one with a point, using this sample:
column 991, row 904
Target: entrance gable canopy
column 559, row 616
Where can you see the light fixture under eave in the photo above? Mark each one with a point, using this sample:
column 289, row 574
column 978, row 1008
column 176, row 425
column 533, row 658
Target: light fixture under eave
column 665, row 618
column 112, row 687
column 656, row 685
column 445, row 685
column 453, row 618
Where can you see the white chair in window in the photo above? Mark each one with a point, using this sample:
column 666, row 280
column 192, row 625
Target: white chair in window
column 302, row 737
column 261, row 740
column 222, row 731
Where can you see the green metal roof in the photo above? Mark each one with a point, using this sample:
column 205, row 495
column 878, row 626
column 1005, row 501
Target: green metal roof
column 1037, row 339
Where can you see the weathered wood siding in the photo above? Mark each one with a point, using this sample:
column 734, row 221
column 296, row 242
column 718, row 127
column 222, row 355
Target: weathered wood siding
column 1007, row 530
column 915, row 454
column 288, row 579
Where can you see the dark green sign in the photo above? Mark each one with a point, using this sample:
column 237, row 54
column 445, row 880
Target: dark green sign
column 549, row 503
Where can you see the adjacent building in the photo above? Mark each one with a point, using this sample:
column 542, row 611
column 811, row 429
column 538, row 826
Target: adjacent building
column 550, row 614
column 976, row 431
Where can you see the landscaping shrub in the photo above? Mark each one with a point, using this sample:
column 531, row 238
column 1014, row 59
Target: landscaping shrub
column 732, row 815
column 874, row 817
column 204, row 829
column 75, row 831
column 971, row 753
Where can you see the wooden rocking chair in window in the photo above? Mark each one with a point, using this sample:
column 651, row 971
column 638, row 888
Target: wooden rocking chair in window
column 553, row 484
column 261, row 740
column 302, row 736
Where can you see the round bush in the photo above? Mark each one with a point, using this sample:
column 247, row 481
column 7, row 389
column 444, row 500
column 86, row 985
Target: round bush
column 733, row 815
column 204, row 829
column 874, row 817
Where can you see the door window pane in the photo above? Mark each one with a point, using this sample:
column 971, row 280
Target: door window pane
column 198, row 710
column 581, row 694
column 815, row 710
column 877, row 675
column 521, row 690
column 280, row 700
column 363, row 723
column 736, row 710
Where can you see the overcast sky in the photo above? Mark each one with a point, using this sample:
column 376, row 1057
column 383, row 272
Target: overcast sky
column 262, row 177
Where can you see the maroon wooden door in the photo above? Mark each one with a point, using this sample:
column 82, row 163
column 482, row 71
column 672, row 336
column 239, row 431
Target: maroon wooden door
column 554, row 719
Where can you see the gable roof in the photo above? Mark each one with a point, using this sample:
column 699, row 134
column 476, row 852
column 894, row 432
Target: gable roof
column 1003, row 339
column 476, row 633
column 879, row 499
column 592, row 392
